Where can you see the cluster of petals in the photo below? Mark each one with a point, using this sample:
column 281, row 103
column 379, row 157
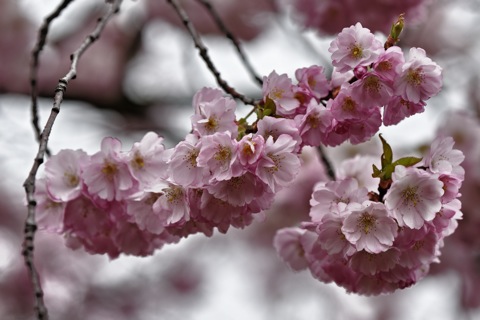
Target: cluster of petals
column 136, row 201
column 372, row 245
column 367, row 81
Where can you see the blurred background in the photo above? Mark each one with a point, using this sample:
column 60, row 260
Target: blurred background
column 141, row 75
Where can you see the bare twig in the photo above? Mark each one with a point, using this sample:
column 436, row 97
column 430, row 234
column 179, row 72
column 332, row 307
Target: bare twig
column 29, row 184
column 229, row 35
column 41, row 39
column 326, row 162
column 204, row 54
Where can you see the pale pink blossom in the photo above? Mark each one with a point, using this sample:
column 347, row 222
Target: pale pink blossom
column 331, row 238
column 140, row 207
column 213, row 113
column 398, row 109
column 420, row 78
column 50, row 212
column 63, row 174
column 389, row 64
column 250, row 149
column 287, row 243
column 422, row 251
column 218, row 153
column 314, row 80
column 183, row 168
column 443, row 159
column 107, row 175
column 354, row 46
column 356, row 168
column 278, row 165
column 147, row 160
column 279, row 89
column 171, row 206
column 414, row 197
column 370, row 228
column 338, row 197
column 373, row 263
column 271, row 126
column 346, row 107
column 314, row 123
column 372, row 90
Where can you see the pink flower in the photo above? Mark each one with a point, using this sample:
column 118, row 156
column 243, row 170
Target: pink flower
column 287, row 243
column 147, row 160
column 172, row 205
column 50, row 212
column 339, row 197
column 63, row 173
column 238, row 191
column 218, row 153
column 346, row 107
column 314, row 123
column 278, row 166
column 389, row 64
column 140, row 208
column 331, row 238
column 355, row 168
column 398, row 109
column 373, row 263
column 270, row 126
column 314, row 80
column 250, row 149
column 372, row 90
column 420, row 78
column 183, row 167
column 354, row 46
column 442, row 158
column 370, row 228
column 422, row 251
column 213, row 113
column 279, row 89
column 107, row 176
column 414, row 197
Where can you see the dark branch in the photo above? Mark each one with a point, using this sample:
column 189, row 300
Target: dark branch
column 204, row 54
column 41, row 40
column 29, row 184
column 232, row 38
column 326, row 162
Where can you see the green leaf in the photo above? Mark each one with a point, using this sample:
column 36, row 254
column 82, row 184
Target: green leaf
column 407, row 161
column 387, row 156
column 376, row 172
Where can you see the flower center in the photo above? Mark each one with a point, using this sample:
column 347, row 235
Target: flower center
column 191, row 158
column 372, row 84
column 212, row 124
column 356, row 52
column 137, row 161
column 174, row 194
column 410, row 195
column 348, row 104
column 223, row 154
column 384, row 66
column 109, row 170
column 71, row 179
column 366, row 222
column 415, row 77
column 276, row 93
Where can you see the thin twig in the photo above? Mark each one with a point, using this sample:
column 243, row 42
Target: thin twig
column 229, row 35
column 41, row 39
column 29, row 184
column 326, row 162
column 204, row 54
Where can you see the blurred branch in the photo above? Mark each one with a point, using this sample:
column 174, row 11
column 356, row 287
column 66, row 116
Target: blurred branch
column 326, row 162
column 204, row 54
column 41, row 39
column 29, row 184
column 232, row 38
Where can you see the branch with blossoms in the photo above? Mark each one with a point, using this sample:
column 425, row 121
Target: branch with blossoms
column 370, row 235
column 31, row 181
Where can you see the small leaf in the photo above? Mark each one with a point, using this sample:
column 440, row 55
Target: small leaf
column 376, row 172
column 387, row 156
column 387, row 171
column 407, row 161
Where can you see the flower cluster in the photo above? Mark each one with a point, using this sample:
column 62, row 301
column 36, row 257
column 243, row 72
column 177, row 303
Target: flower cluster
column 372, row 243
column 366, row 78
column 136, row 201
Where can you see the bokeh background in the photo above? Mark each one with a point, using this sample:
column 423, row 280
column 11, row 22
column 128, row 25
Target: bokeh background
column 141, row 76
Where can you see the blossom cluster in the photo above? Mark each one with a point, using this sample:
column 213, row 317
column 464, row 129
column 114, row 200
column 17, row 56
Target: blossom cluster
column 134, row 202
column 372, row 243
column 365, row 79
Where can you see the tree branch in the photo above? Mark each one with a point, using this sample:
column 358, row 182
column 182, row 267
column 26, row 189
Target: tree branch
column 41, row 40
column 326, row 162
column 204, row 54
column 232, row 38
column 29, row 184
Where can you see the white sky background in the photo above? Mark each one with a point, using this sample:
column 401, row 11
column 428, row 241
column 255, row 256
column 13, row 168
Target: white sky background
column 233, row 270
